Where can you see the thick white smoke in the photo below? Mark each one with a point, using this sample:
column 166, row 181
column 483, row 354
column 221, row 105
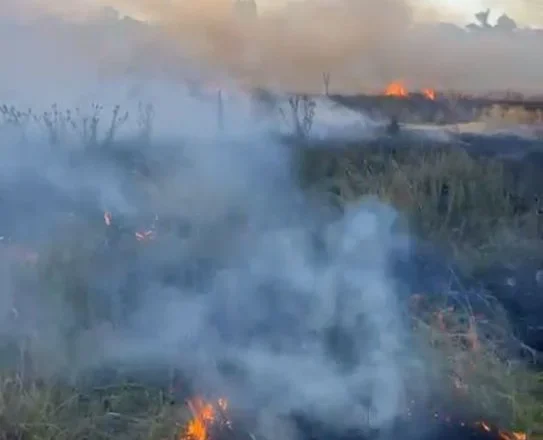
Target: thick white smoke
column 298, row 300
column 271, row 297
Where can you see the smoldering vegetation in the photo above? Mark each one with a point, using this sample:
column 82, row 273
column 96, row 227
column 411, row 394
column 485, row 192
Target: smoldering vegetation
column 204, row 255
column 281, row 274
column 175, row 246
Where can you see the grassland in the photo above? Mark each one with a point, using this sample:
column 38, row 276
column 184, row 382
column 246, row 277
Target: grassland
column 479, row 210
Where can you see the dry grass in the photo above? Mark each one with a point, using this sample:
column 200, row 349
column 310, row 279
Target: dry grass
column 467, row 205
column 512, row 115
column 472, row 352
column 500, row 117
column 474, row 207
column 40, row 411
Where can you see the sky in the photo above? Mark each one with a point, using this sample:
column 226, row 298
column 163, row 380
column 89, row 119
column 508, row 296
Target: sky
column 465, row 8
column 365, row 44
column 525, row 12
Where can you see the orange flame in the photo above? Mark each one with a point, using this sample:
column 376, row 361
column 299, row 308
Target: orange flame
column 204, row 415
column 504, row 435
column 429, row 94
column 513, row 435
column 396, row 89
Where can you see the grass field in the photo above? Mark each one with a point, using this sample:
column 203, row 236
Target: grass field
column 480, row 211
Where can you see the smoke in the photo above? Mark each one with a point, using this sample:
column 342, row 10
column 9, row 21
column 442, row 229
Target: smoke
column 305, row 332
column 250, row 287
column 362, row 44
column 276, row 300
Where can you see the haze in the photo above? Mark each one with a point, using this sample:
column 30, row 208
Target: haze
column 526, row 12
column 363, row 44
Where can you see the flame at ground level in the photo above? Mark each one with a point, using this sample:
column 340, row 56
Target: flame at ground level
column 398, row 89
column 504, row 435
column 205, row 417
column 208, row 419
column 429, row 93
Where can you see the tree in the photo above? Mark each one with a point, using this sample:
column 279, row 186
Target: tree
column 326, row 81
column 506, row 23
column 482, row 18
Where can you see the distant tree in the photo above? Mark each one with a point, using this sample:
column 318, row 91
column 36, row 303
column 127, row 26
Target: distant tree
column 506, row 23
column 326, row 81
column 482, row 18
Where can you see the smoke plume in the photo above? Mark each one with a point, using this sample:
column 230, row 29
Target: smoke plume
column 276, row 300
column 362, row 44
column 250, row 287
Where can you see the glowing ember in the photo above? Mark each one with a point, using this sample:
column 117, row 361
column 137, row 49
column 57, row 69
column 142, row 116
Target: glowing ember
column 145, row 235
column 429, row 93
column 396, row 89
column 504, row 435
column 204, row 417
column 223, row 404
column 484, row 426
column 513, row 435
column 107, row 218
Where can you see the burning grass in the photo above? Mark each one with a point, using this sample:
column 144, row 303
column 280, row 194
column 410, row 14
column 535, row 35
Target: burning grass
column 472, row 207
column 468, row 350
column 472, row 350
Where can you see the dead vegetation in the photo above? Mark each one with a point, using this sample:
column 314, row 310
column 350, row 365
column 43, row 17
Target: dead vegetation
column 472, row 349
column 471, row 205
column 501, row 117
column 468, row 205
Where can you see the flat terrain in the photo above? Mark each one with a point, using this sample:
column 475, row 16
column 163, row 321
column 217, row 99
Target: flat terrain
column 469, row 284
